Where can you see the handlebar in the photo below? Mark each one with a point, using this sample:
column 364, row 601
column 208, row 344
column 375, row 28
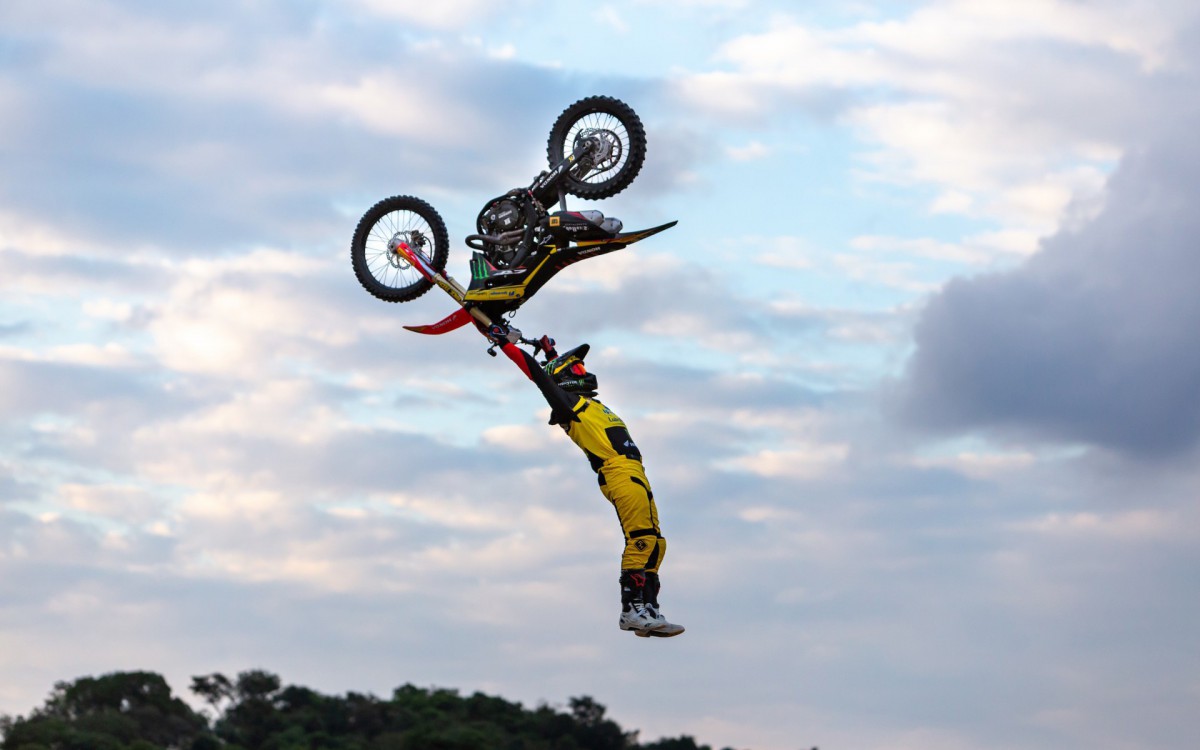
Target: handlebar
column 544, row 345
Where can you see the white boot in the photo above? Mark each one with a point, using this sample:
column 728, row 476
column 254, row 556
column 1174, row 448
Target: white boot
column 639, row 595
column 662, row 628
column 639, row 619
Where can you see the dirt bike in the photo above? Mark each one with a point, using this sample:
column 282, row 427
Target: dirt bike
column 595, row 150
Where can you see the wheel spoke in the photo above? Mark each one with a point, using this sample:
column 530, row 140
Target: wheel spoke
column 601, row 121
column 381, row 262
column 385, row 273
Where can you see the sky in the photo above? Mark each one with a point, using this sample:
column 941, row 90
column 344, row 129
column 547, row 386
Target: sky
column 915, row 376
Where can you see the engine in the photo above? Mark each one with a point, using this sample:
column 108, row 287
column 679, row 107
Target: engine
column 500, row 216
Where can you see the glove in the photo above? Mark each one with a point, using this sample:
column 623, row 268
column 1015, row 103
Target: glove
column 502, row 334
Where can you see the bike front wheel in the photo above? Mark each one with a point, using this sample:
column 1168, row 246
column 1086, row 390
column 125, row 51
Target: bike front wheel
column 382, row 271
column 618, row 127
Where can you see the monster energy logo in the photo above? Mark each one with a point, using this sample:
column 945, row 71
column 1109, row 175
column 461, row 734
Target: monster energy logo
column 478, row 269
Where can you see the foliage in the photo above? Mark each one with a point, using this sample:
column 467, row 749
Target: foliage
column 136, row 711
column 120, row 711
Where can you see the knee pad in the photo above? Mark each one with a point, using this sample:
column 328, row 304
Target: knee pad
column 643, row 551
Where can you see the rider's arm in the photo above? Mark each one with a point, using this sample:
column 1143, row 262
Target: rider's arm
column 562, row 404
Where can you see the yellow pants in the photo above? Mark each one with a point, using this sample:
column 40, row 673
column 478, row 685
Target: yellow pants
column 626, row 487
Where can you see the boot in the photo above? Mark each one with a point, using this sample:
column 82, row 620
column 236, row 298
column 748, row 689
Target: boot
column 664, row 629
column 637, row 614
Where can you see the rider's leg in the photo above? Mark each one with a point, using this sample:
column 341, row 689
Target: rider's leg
column 639, row 605
column 630, row 493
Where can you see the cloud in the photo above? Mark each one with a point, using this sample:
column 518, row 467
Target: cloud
column 216, row 450
column 1009, row 110
column 751, row 151
column 445, row 14
column 803, row 462
column 119, row 502
column 32, row 387
column 222, row 136
column 1089, row 341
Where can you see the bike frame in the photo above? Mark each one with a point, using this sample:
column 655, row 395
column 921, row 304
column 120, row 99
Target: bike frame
column 521, row 283
column 499, row 292
column 488, row 305
column 545, row 188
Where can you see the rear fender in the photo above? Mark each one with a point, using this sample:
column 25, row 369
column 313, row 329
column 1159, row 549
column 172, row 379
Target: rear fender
column 624, row 239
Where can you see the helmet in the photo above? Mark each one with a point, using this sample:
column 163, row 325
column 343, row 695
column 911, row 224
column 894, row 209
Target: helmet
column 568, row 372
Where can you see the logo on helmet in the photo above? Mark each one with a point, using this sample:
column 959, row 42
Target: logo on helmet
column 569, row 372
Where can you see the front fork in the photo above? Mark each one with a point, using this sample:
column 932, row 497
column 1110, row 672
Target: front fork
column 545, row 187
column 417, row 260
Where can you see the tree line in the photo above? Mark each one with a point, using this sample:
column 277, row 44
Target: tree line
column 254, row 711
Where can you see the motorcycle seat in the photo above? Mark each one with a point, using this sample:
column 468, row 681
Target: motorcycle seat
column 581, row 225
column 609, row 224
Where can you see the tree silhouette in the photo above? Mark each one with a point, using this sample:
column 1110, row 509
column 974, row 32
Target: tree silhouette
column 121, row 711
column 255, row 711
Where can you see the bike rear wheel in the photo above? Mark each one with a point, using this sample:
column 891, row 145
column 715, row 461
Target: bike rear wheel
column 612, row 120
column 385, row 273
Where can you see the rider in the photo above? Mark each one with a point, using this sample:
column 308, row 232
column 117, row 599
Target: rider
column 571, row 392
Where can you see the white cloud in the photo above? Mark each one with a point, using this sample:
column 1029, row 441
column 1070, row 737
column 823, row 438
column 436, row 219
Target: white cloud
column 101, row 356
column 979, row 103
column 609, row 15
column 899, row 275
column 29, row 237
column 937, row 142
column 1011, row 241
column 106, row 43
column 952, row 202
column 956, row 28
column 303, row 75
column 980, row 464
column 801, row 462
column 438, row 119
column 260, row 443
column 612, row 272
column 107, row 309
column 979, row 249
column 922, row 247
column 222, row 316
column 127, row 503
column 444, row 14
column 503, row 52
column 289, row 410
column 751, row 151
column 1138, row 524
column 522, row 438
column 1094, row 318
column 784, row 252
column 706, row 4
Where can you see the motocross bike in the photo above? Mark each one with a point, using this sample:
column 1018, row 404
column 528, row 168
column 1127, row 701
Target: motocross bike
column 595, row 150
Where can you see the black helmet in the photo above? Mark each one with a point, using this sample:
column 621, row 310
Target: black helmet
column 568, row 372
